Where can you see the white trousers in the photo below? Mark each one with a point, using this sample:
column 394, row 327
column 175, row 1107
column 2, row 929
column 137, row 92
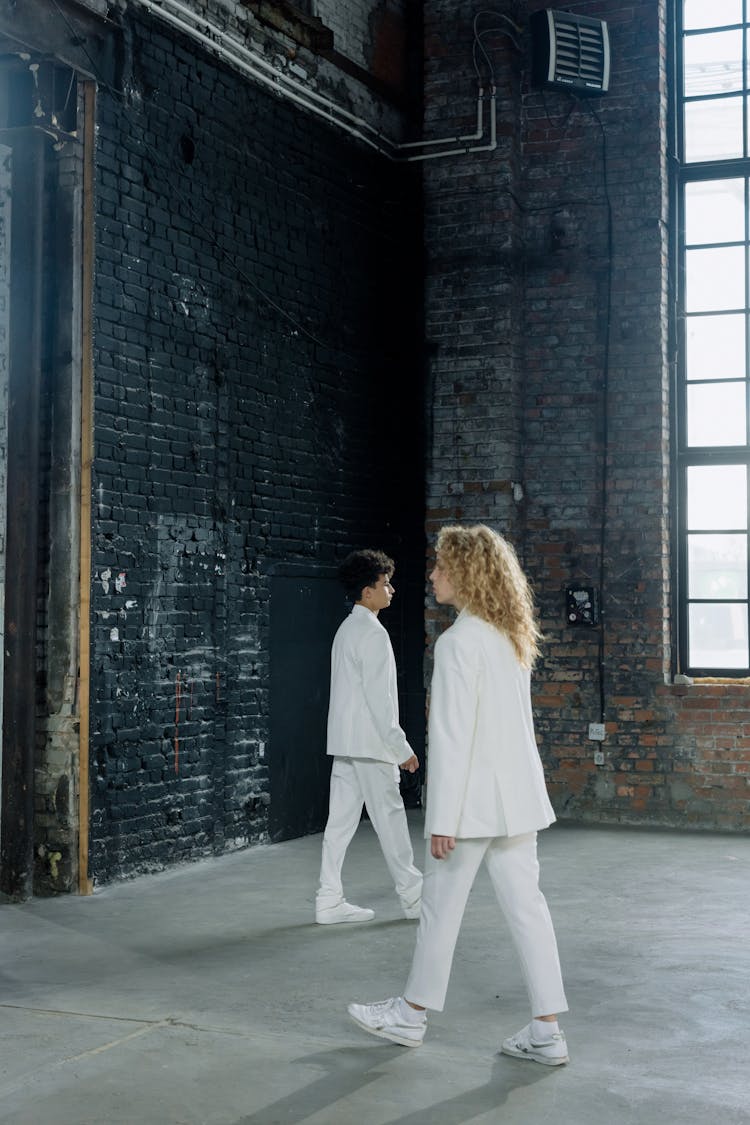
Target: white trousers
column 514, row 870
column 354, row 782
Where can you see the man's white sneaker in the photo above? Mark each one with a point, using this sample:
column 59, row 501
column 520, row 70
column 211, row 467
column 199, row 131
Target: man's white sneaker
column 413, row 910
column 386, row 1021
column 342, row 912
column 551, row 1052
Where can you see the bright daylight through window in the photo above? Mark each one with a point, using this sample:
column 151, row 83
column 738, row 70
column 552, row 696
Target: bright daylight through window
column 713, row 447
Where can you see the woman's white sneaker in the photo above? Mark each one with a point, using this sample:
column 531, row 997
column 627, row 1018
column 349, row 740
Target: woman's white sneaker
column 386, row 1020
column 342, row 912
column 551, row 1052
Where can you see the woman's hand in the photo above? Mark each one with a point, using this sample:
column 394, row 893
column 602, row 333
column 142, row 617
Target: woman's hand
column 442, row 846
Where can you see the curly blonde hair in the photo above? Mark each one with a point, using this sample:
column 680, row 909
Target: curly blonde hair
column 486, row 575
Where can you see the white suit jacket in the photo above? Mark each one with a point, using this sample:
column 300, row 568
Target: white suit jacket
column 363, row 707
column 485, row 776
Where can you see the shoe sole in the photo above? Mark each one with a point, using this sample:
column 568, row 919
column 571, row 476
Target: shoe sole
column 391, row 1036
column 534, row 1058
column 341, row 921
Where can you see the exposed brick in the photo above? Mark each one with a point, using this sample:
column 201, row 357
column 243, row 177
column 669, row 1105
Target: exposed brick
column 255, row 315
column 537, row 208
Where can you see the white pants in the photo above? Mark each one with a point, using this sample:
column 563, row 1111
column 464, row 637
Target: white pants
column 354, row 782
column 514, row 870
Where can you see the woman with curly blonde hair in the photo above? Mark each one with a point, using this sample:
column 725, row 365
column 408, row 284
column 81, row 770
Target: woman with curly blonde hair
column 486, row 795
column 488, row 580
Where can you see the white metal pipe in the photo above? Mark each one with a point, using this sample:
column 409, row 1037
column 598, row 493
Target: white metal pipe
column 475, row 136
column 223, row 42
column 274, row 82
column 246, row 61
column 472, row 148
column 279, row 75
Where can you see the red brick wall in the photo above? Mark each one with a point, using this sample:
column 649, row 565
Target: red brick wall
column 529, row 375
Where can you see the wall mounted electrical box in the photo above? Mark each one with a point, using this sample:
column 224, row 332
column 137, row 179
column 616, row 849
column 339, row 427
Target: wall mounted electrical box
column 570, row 52
column 582, row 605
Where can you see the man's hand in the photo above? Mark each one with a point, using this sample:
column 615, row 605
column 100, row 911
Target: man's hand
column 442, row 846
column 411, row 765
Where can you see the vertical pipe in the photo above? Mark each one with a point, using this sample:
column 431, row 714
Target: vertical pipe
column 87, row 453
column 22, row 551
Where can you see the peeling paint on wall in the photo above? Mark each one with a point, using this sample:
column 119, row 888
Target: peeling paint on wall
column 226, row 439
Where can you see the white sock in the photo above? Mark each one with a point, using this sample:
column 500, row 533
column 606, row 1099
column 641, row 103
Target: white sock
column 409, row 1014
column 542, row 1030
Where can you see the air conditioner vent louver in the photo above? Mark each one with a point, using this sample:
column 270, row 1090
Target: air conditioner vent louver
column 570, row 52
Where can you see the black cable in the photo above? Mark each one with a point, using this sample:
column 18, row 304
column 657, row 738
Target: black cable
column 478, row 45
column 499, row 16
column 565, row 121
column 605, row 420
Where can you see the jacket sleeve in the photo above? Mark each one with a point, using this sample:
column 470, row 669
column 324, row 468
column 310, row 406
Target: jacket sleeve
column 454, row 697
column 381, row 696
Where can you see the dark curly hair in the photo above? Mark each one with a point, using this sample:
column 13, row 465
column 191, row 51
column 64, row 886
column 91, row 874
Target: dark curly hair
column 363, row 568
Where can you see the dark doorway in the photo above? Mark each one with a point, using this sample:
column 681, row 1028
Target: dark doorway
column 306, row 611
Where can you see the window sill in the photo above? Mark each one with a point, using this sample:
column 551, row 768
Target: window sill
column 709, row 681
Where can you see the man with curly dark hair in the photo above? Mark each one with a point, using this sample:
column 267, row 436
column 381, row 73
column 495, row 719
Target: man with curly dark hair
column 367, row 744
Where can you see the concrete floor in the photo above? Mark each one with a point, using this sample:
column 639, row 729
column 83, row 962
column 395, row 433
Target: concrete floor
column 205, row 996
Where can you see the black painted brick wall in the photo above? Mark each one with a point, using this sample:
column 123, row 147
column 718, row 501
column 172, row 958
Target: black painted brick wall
column 231, row 228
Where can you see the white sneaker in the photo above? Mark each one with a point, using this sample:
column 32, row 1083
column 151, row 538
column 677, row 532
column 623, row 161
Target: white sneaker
column 385, row 1020
column 342, row 912
column 551, row 1052
column 414, row 910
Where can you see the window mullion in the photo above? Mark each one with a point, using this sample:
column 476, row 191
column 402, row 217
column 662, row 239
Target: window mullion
column 713, row 352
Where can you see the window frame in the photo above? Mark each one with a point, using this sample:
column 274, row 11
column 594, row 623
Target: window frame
column 684, row 456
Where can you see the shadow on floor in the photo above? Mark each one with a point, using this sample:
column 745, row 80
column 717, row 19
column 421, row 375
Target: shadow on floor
column 350, row 1069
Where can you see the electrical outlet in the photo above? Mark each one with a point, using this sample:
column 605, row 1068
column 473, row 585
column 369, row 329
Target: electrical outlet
column 598, row 757
column 597, row 732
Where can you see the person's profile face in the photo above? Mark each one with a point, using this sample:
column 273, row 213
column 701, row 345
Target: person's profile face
column 379, row 596
column 441, row 586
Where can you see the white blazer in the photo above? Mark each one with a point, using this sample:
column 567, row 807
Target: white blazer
column 363, row 707
column 485, row 776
